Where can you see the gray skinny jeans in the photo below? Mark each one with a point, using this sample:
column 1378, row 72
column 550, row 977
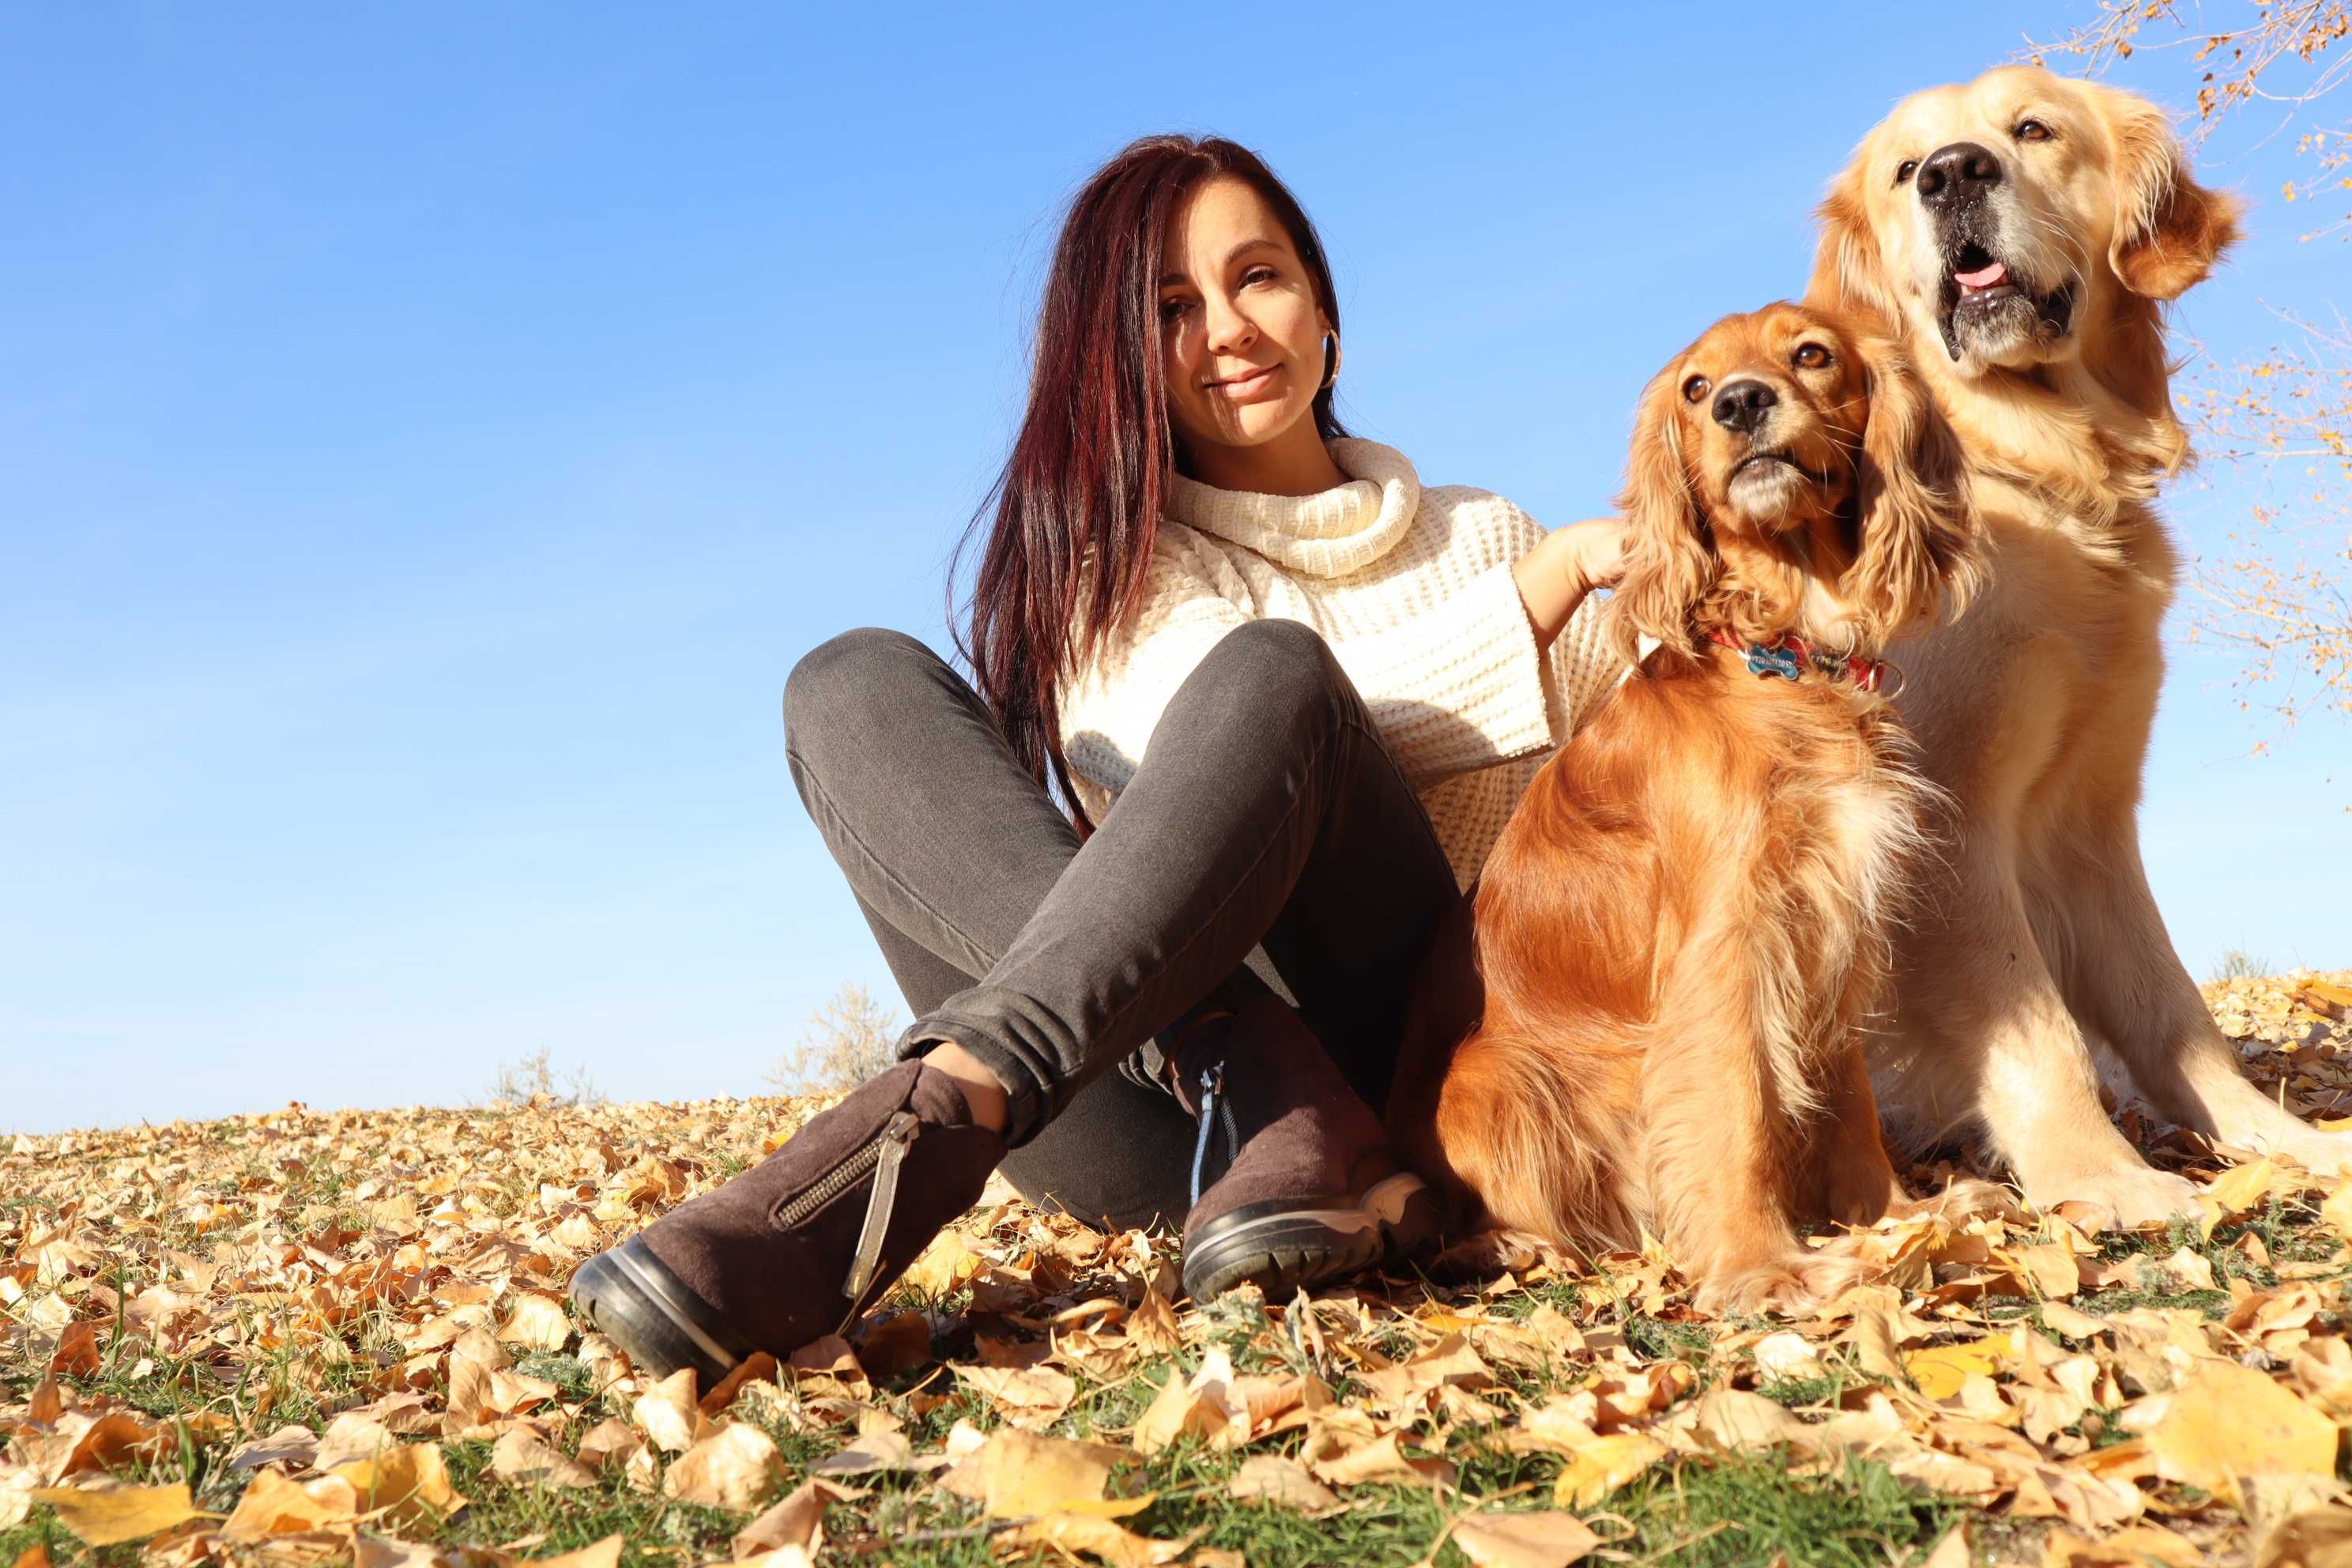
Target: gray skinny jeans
column 1266, row 811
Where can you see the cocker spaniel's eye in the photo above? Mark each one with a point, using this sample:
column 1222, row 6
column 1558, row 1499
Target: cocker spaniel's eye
column 2033, row 130
column 1695, row 388
column 1811, row 356
column 1904, row 169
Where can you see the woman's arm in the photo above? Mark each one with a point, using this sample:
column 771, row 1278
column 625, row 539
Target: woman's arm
column 1463, row 684
column 1554, row 577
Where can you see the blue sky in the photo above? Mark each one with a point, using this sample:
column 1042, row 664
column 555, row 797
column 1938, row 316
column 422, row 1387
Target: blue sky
column 430, row 435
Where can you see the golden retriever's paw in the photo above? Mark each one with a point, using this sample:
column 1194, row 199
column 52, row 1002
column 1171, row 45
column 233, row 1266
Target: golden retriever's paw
column 2321, row 1153
column 1966, row 1198
column 1795, row 1286
column 2128, row 1196
column 1862, row 1193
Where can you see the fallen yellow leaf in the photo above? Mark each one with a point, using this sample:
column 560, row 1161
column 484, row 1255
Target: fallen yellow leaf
column 403, row 1486
column 1603, row 1465
column 1200, row 1408
column 2239, row 1190
column 1523, row 1540
column 1939, row 1371
column 108, row 1515
column 795, row 1524
column 2228, row 1421
column 1016, row 1474
column 2142, row 1546
column 1027, row 1396
column 272, row 1505
column 538, row 1322
column 668, row 1413
column 1277, row 1478
column 734, row 1467
column 522, row 1457
column 1071, row 1533
column 2337, row 1211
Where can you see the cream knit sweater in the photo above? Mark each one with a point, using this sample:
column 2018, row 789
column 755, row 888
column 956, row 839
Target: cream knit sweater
column 1411, row 589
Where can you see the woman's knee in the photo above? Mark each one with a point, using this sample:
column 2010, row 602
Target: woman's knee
column 1287, row 668
column 852, row 678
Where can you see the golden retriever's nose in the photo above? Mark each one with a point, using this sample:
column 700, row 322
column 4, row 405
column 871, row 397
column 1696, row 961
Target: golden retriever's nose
column 1742, row 405
column 1956, row 175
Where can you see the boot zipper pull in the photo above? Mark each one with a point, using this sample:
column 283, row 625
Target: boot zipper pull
column 897, row 1135
column 1212, row 1083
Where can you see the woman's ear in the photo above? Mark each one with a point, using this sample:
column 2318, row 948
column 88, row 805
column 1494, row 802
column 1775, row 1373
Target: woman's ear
column 2169, row 229
column 1669, row 564
column 1920, row 552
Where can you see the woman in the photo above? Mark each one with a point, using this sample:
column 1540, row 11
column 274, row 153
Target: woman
column 1314, row 690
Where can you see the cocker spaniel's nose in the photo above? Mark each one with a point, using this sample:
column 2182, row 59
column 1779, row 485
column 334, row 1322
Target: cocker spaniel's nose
column 1741, row 405
column 1956, row 175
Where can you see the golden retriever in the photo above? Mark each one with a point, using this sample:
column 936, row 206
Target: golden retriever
column 1685, row 926
column 2020, row 234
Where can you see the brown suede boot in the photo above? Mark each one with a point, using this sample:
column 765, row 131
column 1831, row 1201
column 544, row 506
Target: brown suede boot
column 796, row 1247
column 1307, row 1190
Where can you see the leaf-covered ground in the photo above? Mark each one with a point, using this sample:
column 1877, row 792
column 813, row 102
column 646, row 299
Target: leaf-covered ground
column 314, row 1338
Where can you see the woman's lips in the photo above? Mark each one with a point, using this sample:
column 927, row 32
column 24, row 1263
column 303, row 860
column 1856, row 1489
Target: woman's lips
column 1242, row 386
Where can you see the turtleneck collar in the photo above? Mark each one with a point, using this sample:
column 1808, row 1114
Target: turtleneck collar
column 1329, row 534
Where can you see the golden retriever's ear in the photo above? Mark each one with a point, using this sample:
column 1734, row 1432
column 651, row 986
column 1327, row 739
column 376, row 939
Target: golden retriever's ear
column 1846, row 276
column 2169, row 231
column 1921, row 551
column 1668, row 564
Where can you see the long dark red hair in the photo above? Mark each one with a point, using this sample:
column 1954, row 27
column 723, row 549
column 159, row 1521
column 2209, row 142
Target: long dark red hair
column 1070, row 521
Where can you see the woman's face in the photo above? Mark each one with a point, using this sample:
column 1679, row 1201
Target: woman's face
column 1241, row 335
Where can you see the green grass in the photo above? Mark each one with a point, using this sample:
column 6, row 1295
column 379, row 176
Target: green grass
column 1738, row 1513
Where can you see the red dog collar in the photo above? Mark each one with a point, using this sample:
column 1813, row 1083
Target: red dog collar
column 1788, row 655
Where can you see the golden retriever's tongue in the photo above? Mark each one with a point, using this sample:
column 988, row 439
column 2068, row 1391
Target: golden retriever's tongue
column 1982, row 278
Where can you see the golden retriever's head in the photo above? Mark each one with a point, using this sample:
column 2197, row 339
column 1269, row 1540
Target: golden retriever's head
column 2001, row 217
column 1789, row 473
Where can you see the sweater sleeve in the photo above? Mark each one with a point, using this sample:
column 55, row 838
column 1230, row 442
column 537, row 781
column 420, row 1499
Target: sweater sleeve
column 1459, row 686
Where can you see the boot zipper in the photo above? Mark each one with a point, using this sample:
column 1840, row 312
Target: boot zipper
column 883, row 1156
column 840, row 1178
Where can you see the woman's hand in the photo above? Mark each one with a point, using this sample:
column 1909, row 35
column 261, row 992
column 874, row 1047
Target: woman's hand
column 1555, row 576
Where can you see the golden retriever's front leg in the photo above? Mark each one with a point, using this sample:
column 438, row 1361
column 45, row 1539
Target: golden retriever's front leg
column 2129, row 984
column 1848, row 1155
column 1990, row 1041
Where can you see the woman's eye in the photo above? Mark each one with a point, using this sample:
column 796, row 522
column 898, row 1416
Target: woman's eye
column 1811, row 356
column 1904, row 169
column 1173, row 310
column 2033, row 131
column 1258, row 275
column 1695, row 388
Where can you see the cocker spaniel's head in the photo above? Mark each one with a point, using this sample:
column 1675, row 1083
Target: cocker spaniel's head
column 1789, row 473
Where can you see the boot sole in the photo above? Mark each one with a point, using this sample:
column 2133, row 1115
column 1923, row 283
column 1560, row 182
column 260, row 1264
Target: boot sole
column 1281, row 1249
column 1411, row 1219
column 631, row 1298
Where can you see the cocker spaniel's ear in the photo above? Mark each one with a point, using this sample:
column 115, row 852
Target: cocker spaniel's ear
column 2169, row 229
column 1921, row 551
column 1670, row 561
column 1846, row 274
